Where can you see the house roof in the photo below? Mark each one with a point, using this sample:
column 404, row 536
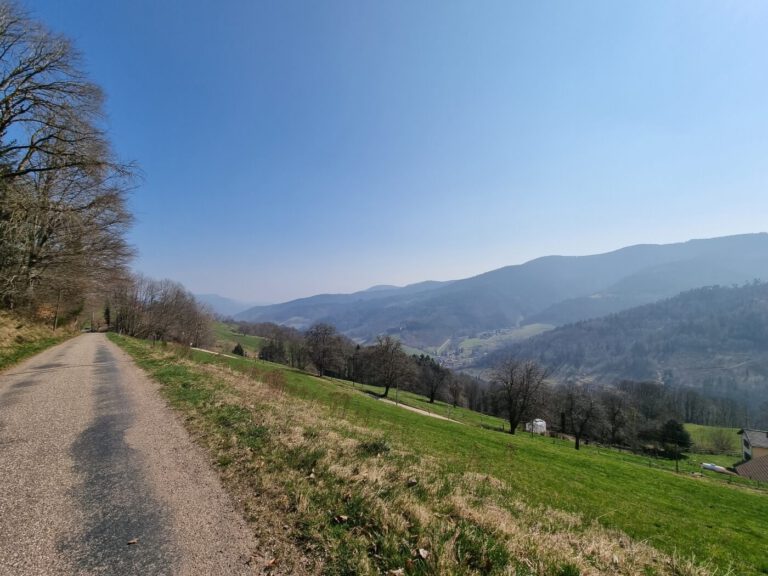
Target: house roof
column 757, row 438
column 756, row 469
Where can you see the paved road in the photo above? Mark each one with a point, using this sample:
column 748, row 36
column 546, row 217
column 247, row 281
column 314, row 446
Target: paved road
column 92, row 459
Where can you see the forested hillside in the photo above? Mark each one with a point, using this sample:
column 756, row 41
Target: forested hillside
column 713, row 339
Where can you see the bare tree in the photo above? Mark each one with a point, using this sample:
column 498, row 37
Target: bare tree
column 62, row 195
column 432, row 376
column 296, row 350
column 581, row 408
column 160, row 310
column 614, row 404
column 455, row 390
column 519, row 385
column 473, row 392
column 389, row 365
column 325, row 347
column 49, row 111
column 68, row 230
column 720, row 440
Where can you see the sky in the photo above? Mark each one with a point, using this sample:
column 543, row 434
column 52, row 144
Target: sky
column 294, row 148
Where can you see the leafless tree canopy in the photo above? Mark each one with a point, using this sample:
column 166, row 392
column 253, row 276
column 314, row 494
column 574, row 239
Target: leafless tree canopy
column 582, row 409
column 388, row 365
column 326, row 348
column 519, row 384
column 48, row 110
column 159, row 310
column 63, row 216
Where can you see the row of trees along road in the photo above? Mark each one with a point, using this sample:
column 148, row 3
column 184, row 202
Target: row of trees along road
column 63, row 214
column 62, row 192
column 158, row 310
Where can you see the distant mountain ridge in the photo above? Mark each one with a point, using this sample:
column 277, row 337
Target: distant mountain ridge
column 223, row 305
column 549, row 290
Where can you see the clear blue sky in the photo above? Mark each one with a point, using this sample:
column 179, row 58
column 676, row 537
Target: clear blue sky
column 291, row 148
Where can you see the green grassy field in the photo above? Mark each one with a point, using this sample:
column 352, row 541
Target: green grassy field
column 563, row 498
column 226, row 338
column 499, row 338
column 691, row 464
column 703, row 440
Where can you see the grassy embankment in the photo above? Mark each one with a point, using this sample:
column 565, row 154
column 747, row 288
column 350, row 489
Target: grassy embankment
column 21, row 338
column 359, row 486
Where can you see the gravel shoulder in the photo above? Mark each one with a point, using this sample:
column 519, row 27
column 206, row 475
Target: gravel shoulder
column 99, row 476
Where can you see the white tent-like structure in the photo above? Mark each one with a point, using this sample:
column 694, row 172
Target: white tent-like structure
column 537, row 426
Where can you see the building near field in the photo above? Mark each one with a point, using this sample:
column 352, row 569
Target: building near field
column 754, row 443
column 754, row 448
column 537, row 426
column 755, row 469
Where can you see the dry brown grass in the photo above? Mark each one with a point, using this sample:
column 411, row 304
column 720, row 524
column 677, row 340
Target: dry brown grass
column 21, row 338
column 16, row 330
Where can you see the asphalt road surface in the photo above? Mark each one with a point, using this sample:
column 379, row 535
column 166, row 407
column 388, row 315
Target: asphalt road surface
column 98, row 476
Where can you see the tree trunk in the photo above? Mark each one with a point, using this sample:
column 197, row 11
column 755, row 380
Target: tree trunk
column 56, row 316
column 578, row 442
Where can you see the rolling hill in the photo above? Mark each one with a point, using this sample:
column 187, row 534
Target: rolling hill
column 550, row 290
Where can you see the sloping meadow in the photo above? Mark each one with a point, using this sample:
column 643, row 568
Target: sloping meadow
column 335, row 482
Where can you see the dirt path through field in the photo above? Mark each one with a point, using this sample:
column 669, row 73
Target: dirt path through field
column 417, row 410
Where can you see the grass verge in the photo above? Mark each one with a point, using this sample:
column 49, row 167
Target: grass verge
column 21, row 339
